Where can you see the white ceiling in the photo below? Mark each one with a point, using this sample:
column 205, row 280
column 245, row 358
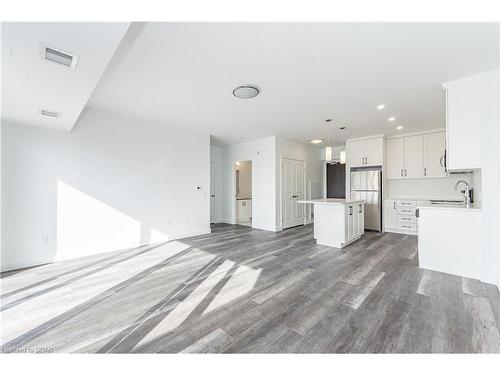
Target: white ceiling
column 30, row 83
column 183, row 74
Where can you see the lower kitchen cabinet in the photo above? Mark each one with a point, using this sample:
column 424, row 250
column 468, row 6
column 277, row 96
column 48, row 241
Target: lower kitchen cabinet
column 400, row 216
column 355, row 221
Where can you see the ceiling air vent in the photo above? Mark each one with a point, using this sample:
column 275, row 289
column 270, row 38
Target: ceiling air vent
column 44, row 112
column 60, row 57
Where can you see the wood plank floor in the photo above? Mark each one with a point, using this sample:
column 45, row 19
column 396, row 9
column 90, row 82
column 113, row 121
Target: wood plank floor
column 240, row 290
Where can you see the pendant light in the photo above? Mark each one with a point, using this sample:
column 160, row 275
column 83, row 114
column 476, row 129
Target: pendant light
column 342, row 157
column 328, row 149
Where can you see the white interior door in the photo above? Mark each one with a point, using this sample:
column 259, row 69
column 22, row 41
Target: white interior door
column 212, row 192
column 293, row 182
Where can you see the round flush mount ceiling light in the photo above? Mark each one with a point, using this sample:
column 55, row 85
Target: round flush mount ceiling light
column 380, row 107
column 246, row 92
column 391, row 119
column 316, row 141
column 399, row 127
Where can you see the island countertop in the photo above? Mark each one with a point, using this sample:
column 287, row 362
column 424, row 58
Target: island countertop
column 334, row 201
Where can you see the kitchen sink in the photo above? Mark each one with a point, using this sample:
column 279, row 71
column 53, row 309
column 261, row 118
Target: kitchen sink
column 447, row 203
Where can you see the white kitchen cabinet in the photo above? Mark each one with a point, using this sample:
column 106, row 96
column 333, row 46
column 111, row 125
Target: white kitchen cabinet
column 243, row 209
column 434, row 152
column 337, row 222
column 414, row 158
column 390, row 215
column 395, row 158
column 361, row 219
column 399, row 216
column 355, row 226
column 462, row 124
column 365, row 152
column 374, row 151
column 356, row 153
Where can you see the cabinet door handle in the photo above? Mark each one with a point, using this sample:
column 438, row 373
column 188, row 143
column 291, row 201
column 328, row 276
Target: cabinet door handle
column 350, row 210
column 401, row 173
column 394, row 204
column 360, row 209
column 405, row 226
column 362, row 160
column 406, row 173
column 425, row 171
column 441, row 160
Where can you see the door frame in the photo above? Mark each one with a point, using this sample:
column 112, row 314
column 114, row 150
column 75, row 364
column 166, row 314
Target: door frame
column 282, row 159
column 212, row 165
column 233, row 187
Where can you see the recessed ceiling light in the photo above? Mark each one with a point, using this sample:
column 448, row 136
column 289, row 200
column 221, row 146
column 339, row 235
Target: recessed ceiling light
column 391, row 119
column 399, row 127
column 246, row 92
column 316, row 141
column 328, row 120
column 342, row 127
column 380, row 107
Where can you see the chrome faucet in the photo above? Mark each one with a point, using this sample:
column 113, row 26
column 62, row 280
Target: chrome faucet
column 466, row 192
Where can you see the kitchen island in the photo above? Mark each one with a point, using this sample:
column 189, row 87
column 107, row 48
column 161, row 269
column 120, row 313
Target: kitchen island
column 337, row 222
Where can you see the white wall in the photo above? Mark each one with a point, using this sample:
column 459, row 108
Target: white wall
column 428, row 188
column 245, row 179
column 490, row 176
column 111, row 183
column 262, row 153
column 312, row 155
column 216, row 157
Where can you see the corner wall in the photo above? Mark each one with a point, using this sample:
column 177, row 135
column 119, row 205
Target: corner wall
column 111, row 183
column 490, row 176
column 262, row 153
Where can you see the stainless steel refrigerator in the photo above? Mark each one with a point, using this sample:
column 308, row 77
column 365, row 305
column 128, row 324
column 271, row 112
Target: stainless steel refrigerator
column 366, row 184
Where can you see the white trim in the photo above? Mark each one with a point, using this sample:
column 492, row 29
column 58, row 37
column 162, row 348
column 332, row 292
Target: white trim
column 461, row 82
column 424, row 132
column 365, row 138
column 233, row 188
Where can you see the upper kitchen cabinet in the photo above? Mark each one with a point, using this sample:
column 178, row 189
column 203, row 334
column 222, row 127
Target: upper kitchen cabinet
column 416, row 156
column 395, row 158
column 462, row 124
column 434, row 154
column 365, row 152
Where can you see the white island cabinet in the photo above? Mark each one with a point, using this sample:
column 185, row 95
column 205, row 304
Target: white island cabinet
column 337, row 222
